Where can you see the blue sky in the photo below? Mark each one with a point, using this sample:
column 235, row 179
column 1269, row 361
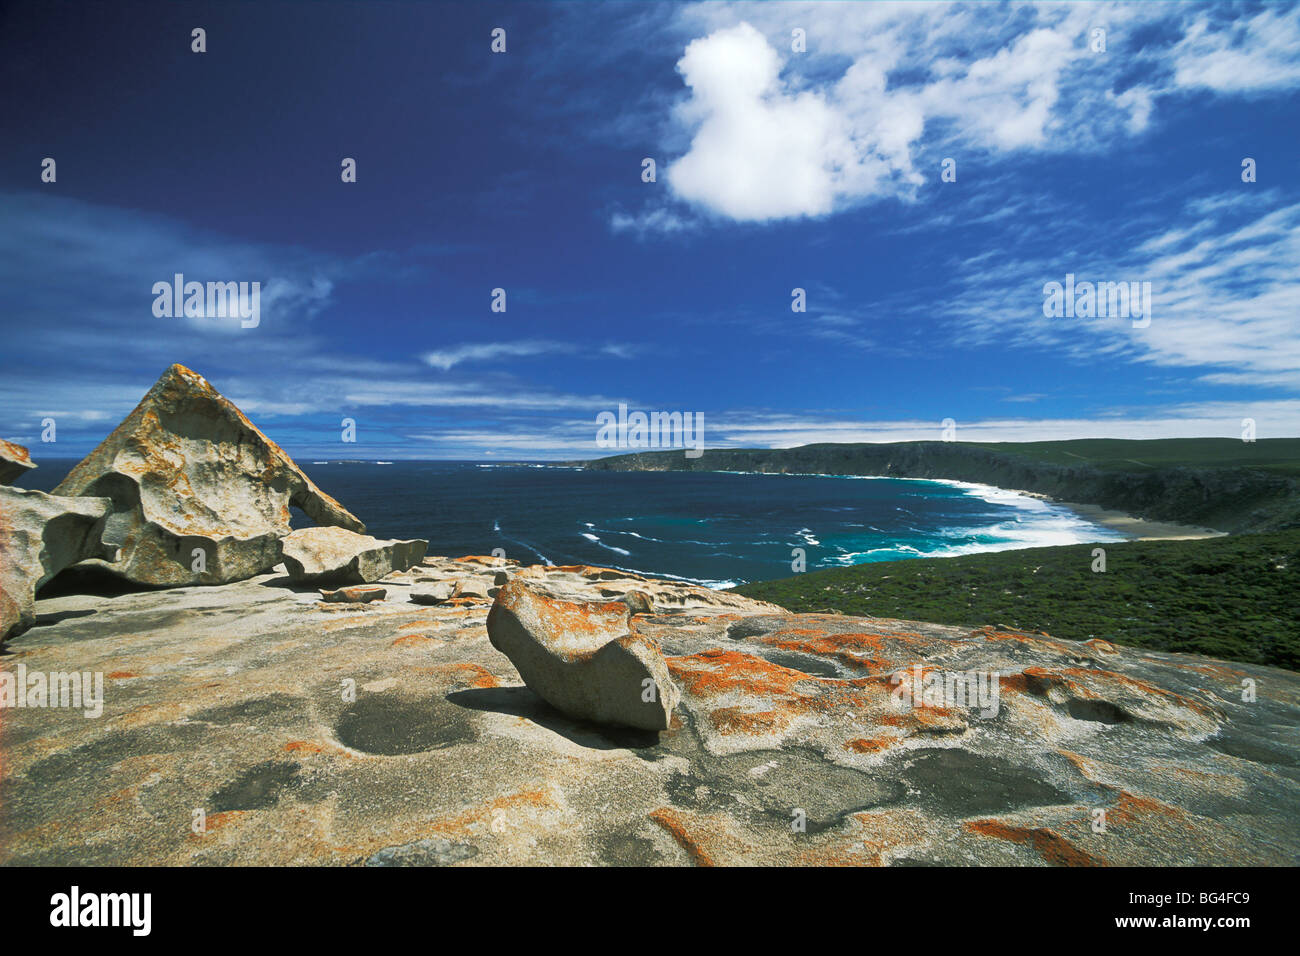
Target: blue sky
column 776, row 170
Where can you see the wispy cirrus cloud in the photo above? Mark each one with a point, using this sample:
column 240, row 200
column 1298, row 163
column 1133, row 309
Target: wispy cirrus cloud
column 448, row 358
column 1224, row 288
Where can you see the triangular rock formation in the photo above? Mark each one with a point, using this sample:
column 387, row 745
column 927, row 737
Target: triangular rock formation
column 200, row 495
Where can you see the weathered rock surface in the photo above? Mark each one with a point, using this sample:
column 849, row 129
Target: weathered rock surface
column 582, row 658
column 358, row 594
column 229, row 699
column 432, row 593
column 40, row 535
column 14, row 461
column 339, row 556
column 200, row 495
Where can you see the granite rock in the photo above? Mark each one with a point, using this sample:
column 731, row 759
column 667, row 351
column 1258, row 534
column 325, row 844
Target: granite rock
column 14, row 461
column 40, row 535
column 338, row 556
column 582, row 658
column 789, row 747
column 200, row 495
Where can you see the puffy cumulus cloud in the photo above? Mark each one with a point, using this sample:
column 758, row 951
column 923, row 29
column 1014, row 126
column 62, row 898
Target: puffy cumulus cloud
column 775, row 134
column 764, row 151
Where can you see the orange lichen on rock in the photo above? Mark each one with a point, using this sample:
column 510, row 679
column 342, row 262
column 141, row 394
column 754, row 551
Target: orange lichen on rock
column 499, row 809
column 675, row 827
column 731, row 720
column 869, row 745
column 412, row 640
column 467, row 673
column 303, row 746
column 419, row 623
column 1130, row 808
column 573, row 622
column 16, row 453
column 715, row 672
column 1051, row 846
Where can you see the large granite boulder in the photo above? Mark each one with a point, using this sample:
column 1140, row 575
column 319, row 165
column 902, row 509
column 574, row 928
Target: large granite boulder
column 338, row 556
column 40, row 535
column 14, row 461
column 200, row 495
column 582, row 658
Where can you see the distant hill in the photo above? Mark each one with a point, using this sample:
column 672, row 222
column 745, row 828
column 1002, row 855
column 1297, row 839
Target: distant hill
column 1218, row 483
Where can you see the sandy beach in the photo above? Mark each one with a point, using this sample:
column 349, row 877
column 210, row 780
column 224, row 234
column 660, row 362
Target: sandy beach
column 1141, row 529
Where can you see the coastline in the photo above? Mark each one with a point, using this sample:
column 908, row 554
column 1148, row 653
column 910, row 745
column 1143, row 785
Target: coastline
column 1142, row 529
column 1139, row 529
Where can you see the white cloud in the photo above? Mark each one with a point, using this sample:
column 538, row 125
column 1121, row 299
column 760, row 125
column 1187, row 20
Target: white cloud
column 491, row 351
column 776, row 134
column 1224, row 290
column 1248, row 55
column 1209, row 419
column 653, row 221
column 762, row 150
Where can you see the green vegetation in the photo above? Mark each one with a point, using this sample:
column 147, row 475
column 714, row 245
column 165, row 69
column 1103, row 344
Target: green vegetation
column 1232, row 597
column 1278, row 455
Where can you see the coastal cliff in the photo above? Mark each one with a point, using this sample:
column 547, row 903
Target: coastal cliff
column 1222, row 484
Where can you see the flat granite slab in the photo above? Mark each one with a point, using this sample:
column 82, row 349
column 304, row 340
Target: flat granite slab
column 251, row 723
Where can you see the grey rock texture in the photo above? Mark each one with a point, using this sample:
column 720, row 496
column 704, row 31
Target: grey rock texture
column 582, row 658
column 40, row 535
column 200, row 495
column 339, row 556
column 229, row 698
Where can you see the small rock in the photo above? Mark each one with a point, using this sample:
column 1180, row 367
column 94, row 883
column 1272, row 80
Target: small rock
column 638, row 602
column 474, row 588
column 432, row 593
column 582, row 659
column 354, row 595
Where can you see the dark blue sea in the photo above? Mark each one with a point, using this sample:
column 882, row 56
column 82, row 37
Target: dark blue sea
column 719, row 529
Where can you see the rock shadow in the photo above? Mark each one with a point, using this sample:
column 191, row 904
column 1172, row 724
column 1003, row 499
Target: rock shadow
column 45, row 620
column 522, row 702
column 94, row 580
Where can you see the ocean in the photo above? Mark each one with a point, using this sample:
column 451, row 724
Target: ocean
column 719, row 529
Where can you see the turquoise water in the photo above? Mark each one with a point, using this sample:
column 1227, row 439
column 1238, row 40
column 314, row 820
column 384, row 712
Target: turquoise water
column 719, row 529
